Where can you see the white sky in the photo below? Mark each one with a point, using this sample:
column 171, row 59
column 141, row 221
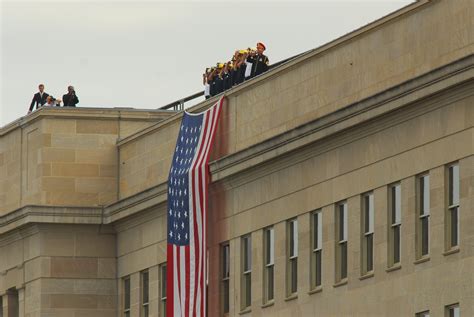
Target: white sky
column 146, row 54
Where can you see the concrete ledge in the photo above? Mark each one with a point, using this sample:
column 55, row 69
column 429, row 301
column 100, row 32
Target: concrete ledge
column 50, row 214
column 88, row 113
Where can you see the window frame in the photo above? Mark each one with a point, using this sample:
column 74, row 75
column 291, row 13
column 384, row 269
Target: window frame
column 145, row 306
column 162, row 271
column 341, row 242
column 394, row 219
column 268, row 265
column 423, row 213
column 291, row 257
column 126, row 284
column 246, row 272
column 225, row 278
column 452, row 206
column 452, row 308
column 316, row 249
column 367, row 233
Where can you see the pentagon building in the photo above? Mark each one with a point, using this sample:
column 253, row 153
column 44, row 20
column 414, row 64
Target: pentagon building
column 342, row 184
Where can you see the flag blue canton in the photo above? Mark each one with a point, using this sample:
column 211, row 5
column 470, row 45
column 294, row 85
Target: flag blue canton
column 178, row 181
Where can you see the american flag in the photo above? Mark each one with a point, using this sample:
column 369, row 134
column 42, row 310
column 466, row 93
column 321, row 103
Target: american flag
column 187, row 204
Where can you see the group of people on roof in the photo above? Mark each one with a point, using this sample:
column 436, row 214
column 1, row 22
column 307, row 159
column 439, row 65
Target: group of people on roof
column 245, row 64
column 43, row 99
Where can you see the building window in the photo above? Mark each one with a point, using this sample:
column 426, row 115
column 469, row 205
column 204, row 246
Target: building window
column 423, row 215
column 13, row 302
column 341, row 241
column 162, row 283
column 126, row 296
column 246, row 269
column 394, row 224
column 367, row 236
column 1, row 306
column 268, row 264
column 225, row 277
column 145, row 293
column 452, row 216
column 292, row 257
column 453, row 311
column 425, row 313
column 316, row 249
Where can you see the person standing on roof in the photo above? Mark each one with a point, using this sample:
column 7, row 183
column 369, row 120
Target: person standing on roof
column 39, row 99
column 259, row 60
column 70, row 99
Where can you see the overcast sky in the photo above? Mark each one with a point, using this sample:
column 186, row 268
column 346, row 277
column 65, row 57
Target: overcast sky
column 146, row 54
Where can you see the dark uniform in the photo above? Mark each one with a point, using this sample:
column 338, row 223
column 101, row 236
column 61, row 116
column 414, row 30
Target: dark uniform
column 70, row 100
column 227, row 80
column 259, row 64
column 219, row 84
column 38, row 101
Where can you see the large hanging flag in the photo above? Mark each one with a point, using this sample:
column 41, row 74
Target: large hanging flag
column 187, row 204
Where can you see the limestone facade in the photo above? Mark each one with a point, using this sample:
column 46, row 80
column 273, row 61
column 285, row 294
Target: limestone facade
column 83, row 191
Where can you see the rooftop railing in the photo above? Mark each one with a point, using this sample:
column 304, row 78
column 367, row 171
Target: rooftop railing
column 178, row 105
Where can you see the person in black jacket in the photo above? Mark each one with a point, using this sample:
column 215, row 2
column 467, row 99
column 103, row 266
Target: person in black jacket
column 259, row 61
column 39, row 98
column 70, row 99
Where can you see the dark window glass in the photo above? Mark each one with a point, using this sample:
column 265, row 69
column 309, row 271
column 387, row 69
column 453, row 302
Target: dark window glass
column 270, row 276
column 126, row 291
column 341, row 222
column 424, row 235
column 318, row 267
column 396, row 244
column 370, row 264
column 145, row 291
column 367, row 214
column 454, row 226
column 343, row 249
column 248, row 287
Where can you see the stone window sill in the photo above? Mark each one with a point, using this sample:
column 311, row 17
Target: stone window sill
column 453, row 250
column 426, row 258
column 315, row 290
column 367, row 275
column 268, row 304
column 291, row 297
column 395, row 267
column 245, row 311
column 341, row 282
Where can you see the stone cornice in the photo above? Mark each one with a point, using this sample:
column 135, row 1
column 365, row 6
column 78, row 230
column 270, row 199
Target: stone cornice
column 88, row 113
column 50, row 214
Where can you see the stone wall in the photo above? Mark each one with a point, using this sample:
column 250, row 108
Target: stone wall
column 61, row 270
column 62, row 158
column 418, row 39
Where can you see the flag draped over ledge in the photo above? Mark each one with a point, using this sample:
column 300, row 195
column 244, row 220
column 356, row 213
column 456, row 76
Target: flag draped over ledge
column 187, row 204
